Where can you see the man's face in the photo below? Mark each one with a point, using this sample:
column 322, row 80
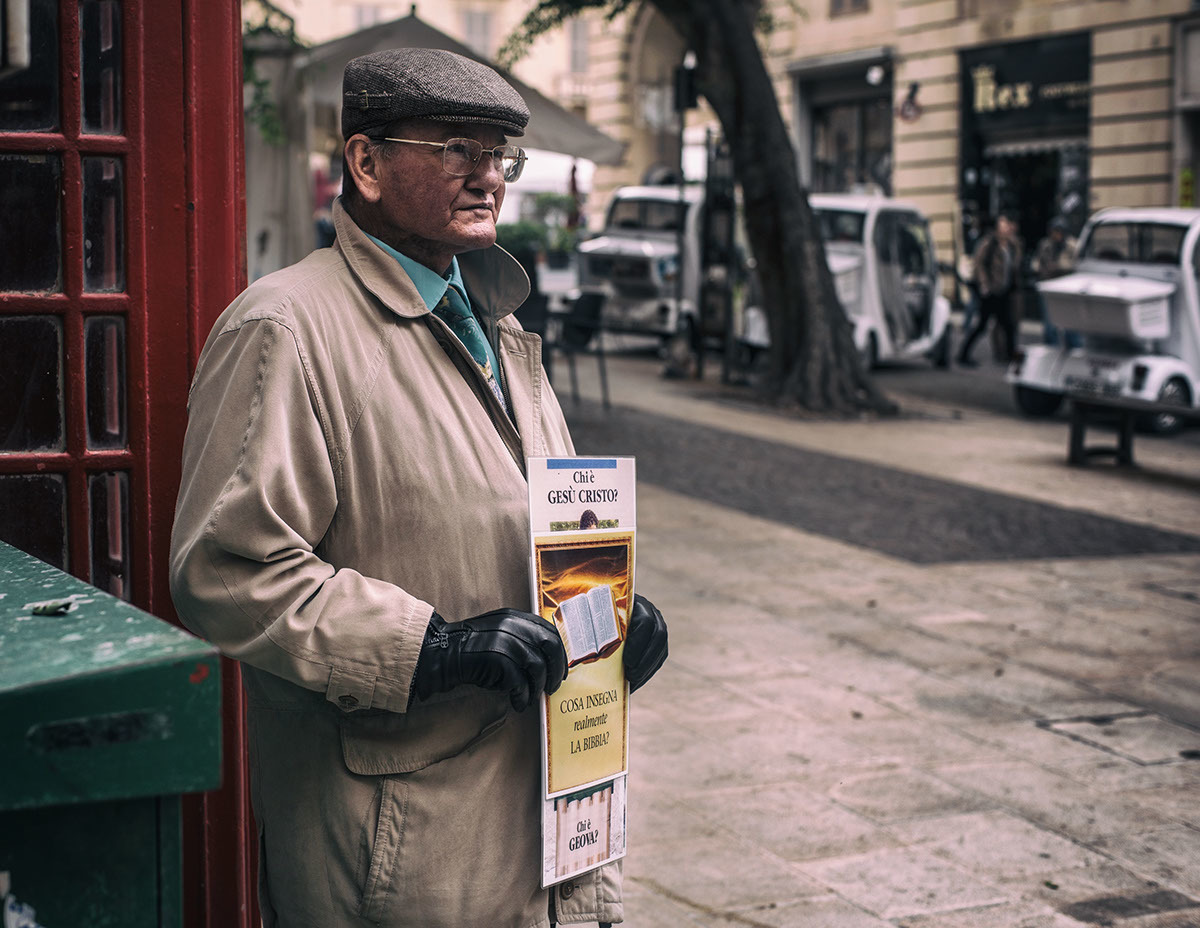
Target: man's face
column 425, row 212
column 1005, row 227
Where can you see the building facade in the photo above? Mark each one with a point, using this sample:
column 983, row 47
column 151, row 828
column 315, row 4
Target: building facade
column 557, row 64
column 966, row 107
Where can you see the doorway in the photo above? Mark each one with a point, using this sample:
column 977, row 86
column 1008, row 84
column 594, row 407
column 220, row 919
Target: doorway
column 1027, row 186
column 1036, row 184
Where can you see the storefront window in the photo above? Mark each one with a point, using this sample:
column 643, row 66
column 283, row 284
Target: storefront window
column 852, row 145
column 1024, row 134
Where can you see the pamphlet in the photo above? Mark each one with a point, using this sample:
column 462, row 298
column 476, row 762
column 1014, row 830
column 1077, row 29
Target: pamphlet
column 582, row 528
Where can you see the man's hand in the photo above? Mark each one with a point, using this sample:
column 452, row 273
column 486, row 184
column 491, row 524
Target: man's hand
column 505, row 649
column 645, row 642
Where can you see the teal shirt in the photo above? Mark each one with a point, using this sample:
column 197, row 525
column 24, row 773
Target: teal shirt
column 430, row 284
column 432, row 287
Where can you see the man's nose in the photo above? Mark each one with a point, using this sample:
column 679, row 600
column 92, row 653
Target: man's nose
column 488, row 175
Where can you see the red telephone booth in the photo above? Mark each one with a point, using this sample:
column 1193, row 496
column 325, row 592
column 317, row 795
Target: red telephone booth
column 121, row 239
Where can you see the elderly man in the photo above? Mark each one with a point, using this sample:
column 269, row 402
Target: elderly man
column 352, row 525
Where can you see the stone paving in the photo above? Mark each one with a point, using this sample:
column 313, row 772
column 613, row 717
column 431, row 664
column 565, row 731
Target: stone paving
column 846, row 739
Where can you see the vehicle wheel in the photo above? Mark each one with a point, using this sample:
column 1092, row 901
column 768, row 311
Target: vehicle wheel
column 940, row 356
column 870, row 354
column 1038, row 404
column 1174, row 393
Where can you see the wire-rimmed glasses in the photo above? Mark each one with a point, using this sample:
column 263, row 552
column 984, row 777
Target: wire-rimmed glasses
column 459, row 156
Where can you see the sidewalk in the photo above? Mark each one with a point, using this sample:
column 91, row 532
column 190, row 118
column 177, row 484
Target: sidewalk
column 845, row 739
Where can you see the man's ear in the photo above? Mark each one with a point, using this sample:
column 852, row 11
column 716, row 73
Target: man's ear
column 362, row 161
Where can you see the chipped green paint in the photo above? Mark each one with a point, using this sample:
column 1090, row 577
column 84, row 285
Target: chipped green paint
column 99, row 634
column 98, row 700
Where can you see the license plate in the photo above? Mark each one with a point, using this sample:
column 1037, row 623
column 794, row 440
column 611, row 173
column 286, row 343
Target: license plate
column 1093, row 387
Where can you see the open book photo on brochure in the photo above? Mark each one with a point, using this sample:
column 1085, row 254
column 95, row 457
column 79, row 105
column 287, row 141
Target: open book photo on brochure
column 588, row 625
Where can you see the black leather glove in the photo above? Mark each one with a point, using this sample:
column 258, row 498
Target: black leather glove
column 505, row 649
column 645, row 642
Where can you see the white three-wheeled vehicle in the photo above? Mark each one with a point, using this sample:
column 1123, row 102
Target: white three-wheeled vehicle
column 881, row 255
column 1134, row 300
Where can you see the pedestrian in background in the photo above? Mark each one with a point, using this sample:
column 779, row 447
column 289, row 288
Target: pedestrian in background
column 1054, row 257
column 997, row 272
column 353, row 526
column 966, row 269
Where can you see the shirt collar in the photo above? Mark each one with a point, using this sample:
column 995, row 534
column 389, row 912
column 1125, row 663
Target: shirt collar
column 429, row 283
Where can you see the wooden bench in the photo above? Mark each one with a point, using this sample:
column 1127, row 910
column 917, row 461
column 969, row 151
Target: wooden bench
column 1087, row 409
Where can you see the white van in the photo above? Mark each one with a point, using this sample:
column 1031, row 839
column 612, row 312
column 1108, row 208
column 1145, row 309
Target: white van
column 1134, row 298
column 635, row 262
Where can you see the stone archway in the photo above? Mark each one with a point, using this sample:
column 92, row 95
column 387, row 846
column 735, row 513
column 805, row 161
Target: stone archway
column 644, row 50
column 655, row 50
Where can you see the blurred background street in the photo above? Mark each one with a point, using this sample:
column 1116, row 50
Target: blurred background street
column 922, row 672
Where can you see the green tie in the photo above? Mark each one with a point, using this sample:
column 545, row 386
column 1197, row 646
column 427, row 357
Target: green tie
column 453, row 310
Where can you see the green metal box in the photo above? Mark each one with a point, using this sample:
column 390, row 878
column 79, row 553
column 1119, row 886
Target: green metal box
column 107, row 715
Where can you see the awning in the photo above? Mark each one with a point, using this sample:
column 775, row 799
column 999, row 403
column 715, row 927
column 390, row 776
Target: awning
column 551, row 127
column 1033, row 146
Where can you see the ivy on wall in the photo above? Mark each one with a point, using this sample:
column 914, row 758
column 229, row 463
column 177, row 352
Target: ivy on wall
column 266, row 29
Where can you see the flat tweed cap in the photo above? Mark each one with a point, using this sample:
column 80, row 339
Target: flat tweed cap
column 426, row 83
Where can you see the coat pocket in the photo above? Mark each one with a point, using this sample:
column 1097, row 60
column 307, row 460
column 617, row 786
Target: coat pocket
column 390, row 743
column 381, row 868
column 391, row 747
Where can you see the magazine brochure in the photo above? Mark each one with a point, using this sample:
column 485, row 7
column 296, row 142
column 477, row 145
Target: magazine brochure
column 582, row 528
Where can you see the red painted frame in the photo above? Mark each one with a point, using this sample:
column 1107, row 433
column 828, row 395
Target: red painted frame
column 73, row 305
column 185, row 225
column 196, row 209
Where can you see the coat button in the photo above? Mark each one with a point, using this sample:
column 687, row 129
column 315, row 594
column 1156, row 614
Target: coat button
column 347, row 701
column 567, row 890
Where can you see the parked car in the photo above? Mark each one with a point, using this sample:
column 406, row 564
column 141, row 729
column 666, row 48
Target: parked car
column 636, row 260
column 1134, row 300
column 885, row 271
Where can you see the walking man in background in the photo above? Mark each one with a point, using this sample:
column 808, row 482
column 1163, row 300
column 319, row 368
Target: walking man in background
column 1054, row 257
column 353, row 526
column 997, row 271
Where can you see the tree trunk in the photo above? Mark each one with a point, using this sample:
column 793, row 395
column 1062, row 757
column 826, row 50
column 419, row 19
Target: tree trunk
column 812, row 362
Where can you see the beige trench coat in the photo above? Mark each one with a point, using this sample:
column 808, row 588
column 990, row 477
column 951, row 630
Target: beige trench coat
column 345, row 472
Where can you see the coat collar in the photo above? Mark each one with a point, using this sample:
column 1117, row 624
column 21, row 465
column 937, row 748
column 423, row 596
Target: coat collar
column 495, row 280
